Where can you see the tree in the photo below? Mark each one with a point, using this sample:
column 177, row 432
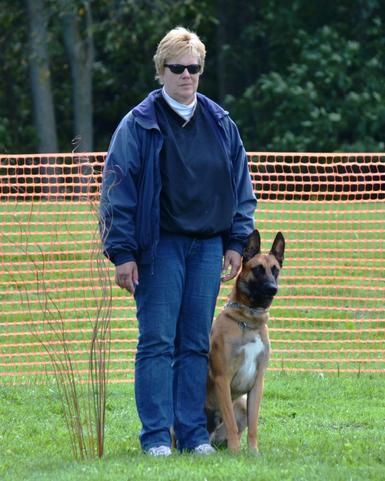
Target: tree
column 326, row 94
column 79, row 45
column 294, row 75
column 43, row 106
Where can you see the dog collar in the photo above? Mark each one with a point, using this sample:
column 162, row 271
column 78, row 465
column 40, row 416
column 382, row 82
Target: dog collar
column 254, row 311
column 244, row 325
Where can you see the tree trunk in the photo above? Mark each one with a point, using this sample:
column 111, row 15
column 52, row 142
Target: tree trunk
column 43, row 107
column 220, row 48
column 78, row 41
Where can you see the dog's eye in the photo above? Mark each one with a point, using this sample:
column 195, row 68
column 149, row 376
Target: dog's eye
column 258, row 270
column 275, row 271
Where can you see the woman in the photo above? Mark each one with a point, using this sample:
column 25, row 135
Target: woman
column 176, row 200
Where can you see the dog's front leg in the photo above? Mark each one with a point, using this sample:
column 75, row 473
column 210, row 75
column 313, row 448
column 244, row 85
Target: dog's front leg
column 254, row 398
column 223, row 392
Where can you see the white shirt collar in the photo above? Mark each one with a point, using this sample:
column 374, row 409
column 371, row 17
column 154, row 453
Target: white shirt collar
column 185, row 111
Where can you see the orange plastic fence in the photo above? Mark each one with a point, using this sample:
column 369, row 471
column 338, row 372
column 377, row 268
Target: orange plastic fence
column 329, row 315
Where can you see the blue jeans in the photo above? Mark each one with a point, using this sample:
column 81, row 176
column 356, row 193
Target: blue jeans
column 175, row 306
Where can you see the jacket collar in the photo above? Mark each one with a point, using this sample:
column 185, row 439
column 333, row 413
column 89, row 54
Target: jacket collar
column 146, row 116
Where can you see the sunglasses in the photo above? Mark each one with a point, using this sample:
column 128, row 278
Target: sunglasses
column 179, row 68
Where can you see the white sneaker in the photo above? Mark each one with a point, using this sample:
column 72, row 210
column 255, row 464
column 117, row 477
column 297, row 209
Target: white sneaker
column 204, row 449
column 159, row 451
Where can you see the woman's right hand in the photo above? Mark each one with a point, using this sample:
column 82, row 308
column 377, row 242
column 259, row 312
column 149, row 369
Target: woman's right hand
column 126, row 276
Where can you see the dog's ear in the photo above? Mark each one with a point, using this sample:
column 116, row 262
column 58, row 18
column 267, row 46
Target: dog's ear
column 253, row 246
column 278, row 248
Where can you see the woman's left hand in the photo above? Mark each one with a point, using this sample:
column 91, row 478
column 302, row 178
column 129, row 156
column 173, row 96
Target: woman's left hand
column 232, row 261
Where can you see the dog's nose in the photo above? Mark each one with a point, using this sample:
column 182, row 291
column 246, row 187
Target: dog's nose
column 270, row 289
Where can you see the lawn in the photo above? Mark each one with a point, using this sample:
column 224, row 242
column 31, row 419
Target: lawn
column 314, row 427
column 329, row 316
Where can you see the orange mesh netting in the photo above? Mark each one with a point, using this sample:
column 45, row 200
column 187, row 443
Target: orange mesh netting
column 330, row 311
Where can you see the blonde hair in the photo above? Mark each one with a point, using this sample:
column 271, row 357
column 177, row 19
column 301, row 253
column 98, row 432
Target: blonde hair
column 177, row 42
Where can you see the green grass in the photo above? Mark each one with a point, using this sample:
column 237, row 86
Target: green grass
column 313, row 427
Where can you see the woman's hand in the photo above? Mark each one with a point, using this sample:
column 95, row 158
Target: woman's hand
column 126, row 276
column 231, row 260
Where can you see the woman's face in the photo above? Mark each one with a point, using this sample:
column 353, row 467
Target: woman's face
column 181, row 87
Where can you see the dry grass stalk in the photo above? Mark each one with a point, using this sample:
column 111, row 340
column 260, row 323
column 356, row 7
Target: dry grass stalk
column 82, row 394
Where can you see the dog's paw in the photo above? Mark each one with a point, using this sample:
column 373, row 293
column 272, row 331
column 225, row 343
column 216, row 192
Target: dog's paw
column 254, row 451
column 234, row 448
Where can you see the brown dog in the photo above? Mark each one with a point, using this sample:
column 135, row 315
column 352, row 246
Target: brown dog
column 239, row 347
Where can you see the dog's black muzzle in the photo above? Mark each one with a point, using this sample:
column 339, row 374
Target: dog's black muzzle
column 269, row 289
column 262, row 293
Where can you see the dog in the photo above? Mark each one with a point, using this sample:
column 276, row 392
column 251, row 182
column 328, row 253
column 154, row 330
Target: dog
column 239, row 348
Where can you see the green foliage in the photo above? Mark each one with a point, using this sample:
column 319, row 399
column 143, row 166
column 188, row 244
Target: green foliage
column 330, row 99
column 295, row 75
column 16, row 129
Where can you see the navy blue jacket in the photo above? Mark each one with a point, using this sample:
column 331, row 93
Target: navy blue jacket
column 129, row 206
